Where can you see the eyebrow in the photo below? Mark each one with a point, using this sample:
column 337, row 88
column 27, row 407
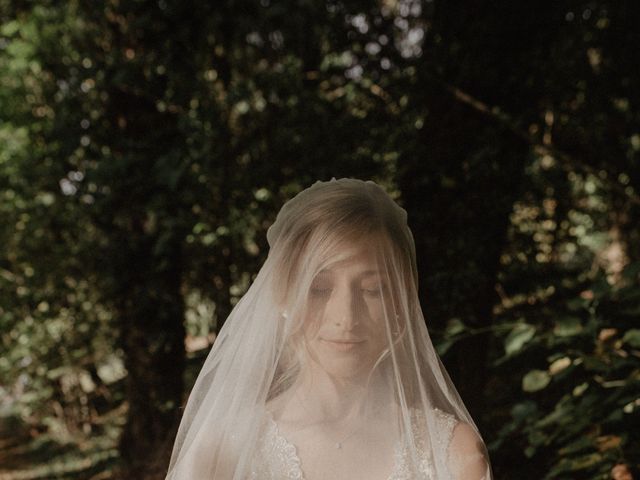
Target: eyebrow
column 365, row 273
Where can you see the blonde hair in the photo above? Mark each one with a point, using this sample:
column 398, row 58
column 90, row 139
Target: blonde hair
column 305, row 236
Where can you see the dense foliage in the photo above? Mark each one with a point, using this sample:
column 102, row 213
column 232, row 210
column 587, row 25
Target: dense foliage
column 146, row 146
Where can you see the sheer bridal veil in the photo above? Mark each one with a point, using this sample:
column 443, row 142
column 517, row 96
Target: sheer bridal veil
column 325, row 368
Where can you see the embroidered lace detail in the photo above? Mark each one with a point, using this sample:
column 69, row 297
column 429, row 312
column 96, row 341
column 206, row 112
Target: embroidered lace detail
column 406, row 468
column 277, row 458
column 447, row 423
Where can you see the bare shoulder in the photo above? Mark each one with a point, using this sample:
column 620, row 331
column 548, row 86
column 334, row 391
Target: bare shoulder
column 465, row 439
column 467, row 454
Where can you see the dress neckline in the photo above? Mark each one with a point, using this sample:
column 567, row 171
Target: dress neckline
column 295, row 463
column 404, row 466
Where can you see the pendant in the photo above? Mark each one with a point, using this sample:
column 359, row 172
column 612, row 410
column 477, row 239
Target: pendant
column 339, row 445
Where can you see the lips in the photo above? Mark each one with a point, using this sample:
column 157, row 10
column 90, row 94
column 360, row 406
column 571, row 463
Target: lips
column 343, row 345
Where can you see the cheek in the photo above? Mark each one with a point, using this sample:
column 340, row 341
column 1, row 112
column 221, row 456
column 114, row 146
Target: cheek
column 312, row 319
column 378, row 326
column 375, row 314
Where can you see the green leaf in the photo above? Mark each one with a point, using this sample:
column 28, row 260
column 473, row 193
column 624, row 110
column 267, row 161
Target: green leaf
column 518, row 337
column 567, row 327
column 455, row 326
column 632, row 337
column 535, row 380
column 444, row 346
column 579, row 445
column 537, row 438
column 523, row 410
column 9, row 28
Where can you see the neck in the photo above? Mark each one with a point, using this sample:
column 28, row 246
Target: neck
column 330, row 398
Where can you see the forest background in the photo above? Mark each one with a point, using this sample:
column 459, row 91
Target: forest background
column 146, row 146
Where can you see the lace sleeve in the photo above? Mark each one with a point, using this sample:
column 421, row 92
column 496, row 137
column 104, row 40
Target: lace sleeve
column 427, row 468
column 446, row 424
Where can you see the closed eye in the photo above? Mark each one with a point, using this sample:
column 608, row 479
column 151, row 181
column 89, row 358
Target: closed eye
column 320, row 292
column 372, row 292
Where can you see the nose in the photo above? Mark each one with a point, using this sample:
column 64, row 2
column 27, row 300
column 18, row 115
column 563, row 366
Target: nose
column 342, row 309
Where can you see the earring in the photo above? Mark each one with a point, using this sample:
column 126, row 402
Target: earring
column 284, row 315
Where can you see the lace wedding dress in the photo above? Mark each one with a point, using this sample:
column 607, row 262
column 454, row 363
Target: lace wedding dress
column 333, row 322
column 277, row 458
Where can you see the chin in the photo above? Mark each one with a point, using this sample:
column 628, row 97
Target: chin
column 345, row 368
column 342, row 363
column 344, row 372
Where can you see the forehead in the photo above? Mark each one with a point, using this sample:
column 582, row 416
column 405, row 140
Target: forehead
column 352, row 258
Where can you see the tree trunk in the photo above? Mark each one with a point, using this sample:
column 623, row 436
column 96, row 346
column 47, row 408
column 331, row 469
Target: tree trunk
column 152, row 310
column 458, row 188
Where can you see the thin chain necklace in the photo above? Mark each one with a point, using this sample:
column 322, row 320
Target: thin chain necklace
column 339, row 443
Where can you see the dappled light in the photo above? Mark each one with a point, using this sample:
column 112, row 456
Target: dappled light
column 146, row 147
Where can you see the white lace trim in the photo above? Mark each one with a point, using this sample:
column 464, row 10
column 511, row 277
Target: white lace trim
column 277, row 458
column 426, row 470
column 276, row 455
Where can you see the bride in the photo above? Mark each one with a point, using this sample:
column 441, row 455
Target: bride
column 325, row 369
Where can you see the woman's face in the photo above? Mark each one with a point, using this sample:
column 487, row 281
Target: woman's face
column 348, row 305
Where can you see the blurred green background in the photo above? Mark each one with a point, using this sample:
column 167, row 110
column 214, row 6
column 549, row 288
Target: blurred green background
column 146, row 146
